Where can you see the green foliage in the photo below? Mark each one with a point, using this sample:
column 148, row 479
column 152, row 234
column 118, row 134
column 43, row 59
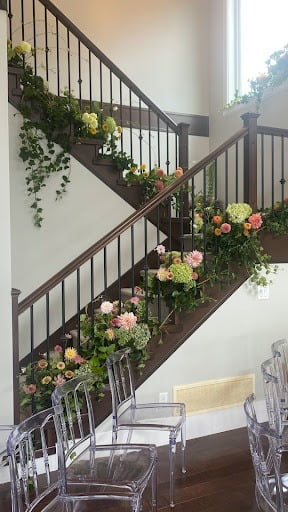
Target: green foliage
column 152, row 181
column 276, row 219
column 276, row 74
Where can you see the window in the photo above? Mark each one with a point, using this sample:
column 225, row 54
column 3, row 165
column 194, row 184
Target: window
column 256, row 28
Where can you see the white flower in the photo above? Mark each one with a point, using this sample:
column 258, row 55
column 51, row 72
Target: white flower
column 160, row 249
column 106, row 307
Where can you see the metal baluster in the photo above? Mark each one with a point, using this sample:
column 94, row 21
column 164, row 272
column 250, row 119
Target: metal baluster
column 272, row 170
column 130, row 121
column 181, row 214
column 132, row 261
column 121, row 111
column 216, row 179
column 32, row 353
column 105, row 269
column 262, row 171
column 204, row 218
column 111, row 93
column 193, row 212
column 282, row 180
column 10, row 16
column 226, row 178
column 158, row 261
column 140, row 133
column 90, row 81
column 101, row 83
column 236, row 172
column 149, row 139
column 167, row 149
column 79, row 73
column 119, row 271
column 57, row 57
column 46, row 45
column 92, row 293
column 63, row 307
column 176, row 150
column 68, row 60
column 158, row 140
column 146, row 268
column 47, row 326
column 22, row 21
column 78, row 307
column 34, row 36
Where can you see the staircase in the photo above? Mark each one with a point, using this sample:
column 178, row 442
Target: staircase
column 120, row 256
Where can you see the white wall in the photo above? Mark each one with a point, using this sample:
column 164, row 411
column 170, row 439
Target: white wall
column 162, row 46
column 6, row 382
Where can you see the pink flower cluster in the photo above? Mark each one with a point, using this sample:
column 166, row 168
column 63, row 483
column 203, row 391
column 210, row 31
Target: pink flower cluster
column 255, row 220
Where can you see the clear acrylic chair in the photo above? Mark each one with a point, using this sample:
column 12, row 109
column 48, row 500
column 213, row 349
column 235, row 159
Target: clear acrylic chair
column 280, row 353
column 129, row 415
column 119, row 472
column 267, row 451
column 33, row 468
column 272, row 393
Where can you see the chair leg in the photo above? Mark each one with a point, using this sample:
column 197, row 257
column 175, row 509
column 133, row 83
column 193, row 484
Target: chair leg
column 183, row 446
column 154, row 488
column 172, row 452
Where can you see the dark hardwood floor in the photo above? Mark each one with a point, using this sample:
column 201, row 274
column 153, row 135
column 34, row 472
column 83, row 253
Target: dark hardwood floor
column 219, row 478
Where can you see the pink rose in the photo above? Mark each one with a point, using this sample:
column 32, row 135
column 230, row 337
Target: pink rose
column 255, row 220
column 30, row 389
column 160, row 173
column 159, row 185
column 115, row 322
column 225, row 228
column 58, row 348
column 134, row 300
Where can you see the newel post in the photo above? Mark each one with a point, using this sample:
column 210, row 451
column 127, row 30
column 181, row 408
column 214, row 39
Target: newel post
column 250, row 159
column 183, row 145
column 15, row 340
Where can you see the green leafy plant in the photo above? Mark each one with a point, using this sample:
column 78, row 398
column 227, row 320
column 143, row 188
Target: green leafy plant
column 152, row 181
column 276, row 218
column 276, row 74
column 42, row 376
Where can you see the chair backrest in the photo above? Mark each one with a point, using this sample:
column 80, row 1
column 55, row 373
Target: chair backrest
column 121, row 380
column 272, row 393
column 263, row 442
column 280, row 353
column 33, row 465
column 76, row 412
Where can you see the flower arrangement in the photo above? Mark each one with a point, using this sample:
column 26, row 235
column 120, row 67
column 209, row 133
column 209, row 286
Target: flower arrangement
column 178, row 280
column 115, row 326
column 276, row 219
column 152, row 181
column 42, row 376
column 276, row 73
column 234, row 235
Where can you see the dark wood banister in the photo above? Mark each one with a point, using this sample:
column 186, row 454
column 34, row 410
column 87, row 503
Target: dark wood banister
column 134, row 217
column 117, row 72
column 270, row 130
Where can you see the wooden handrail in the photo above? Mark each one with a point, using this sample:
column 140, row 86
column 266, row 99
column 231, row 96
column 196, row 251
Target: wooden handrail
column 117, row 72
column 270, row 130
column 134, row 217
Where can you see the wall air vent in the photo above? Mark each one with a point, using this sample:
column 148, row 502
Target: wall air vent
column 214, row 394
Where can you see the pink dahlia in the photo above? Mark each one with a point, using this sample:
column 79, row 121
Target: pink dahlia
column 160, row 173
column 78, row 359
column 194, row 259
column 127, row 320
column 59, row 380
column 58, row 348
column 255, row 220
column 225, row 228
